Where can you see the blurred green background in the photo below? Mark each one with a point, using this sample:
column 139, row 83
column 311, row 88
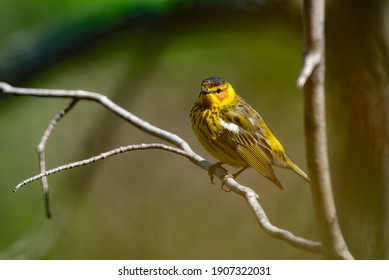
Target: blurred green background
column 149, row 57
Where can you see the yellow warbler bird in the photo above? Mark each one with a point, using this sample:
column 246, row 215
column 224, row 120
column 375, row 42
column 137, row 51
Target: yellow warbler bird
column 235, row 133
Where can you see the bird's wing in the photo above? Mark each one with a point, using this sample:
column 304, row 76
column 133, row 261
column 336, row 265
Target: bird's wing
column 254, row 156
column 244, row 135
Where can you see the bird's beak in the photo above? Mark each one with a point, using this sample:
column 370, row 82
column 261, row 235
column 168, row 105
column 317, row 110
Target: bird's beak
column 204, row 91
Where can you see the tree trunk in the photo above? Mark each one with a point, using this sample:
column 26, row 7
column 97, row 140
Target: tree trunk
column 358, row 94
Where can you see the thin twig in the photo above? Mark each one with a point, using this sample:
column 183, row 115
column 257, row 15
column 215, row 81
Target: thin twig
column 41, row 153
column 100, row 157
column 183, row 150
column 311, row 60
column 334, row 245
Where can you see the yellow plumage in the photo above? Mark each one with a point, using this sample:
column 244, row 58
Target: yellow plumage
column 235, row 133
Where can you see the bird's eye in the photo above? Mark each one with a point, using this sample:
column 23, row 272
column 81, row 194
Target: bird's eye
column 218, row 90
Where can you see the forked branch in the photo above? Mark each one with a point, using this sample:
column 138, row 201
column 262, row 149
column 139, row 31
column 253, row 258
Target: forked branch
column 41, row 153
column 312, row 79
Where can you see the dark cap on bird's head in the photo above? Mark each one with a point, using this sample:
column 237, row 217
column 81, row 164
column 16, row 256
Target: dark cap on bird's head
column 210, row 84
column 213, row 82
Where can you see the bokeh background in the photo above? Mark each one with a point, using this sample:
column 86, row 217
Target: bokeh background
column 149, row 57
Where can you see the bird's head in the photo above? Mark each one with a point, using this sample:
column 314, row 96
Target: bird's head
column 216, row 92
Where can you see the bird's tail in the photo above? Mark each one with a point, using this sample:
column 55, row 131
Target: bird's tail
column 295, row 168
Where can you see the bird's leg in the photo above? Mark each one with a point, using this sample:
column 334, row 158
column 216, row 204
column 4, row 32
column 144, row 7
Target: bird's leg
column 212, row 169
column 240, row 171
column 233, row 177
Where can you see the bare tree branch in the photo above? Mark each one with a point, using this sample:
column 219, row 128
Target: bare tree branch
column 252, row 200
column 182, row 149
column 104, row 155
column 106, row 102
column 312, row 78
column 41, row 153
